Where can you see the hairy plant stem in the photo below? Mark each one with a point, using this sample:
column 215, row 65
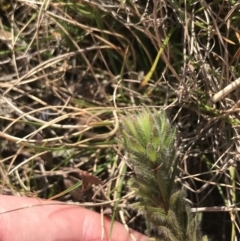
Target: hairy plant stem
column 149, row 139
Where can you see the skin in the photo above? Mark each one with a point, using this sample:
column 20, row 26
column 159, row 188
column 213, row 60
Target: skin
column 25, row 219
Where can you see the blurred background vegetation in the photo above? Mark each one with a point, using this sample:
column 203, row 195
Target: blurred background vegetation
column 68, row 68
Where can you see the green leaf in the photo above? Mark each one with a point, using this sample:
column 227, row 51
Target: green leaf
column 135, row 146
column 151, row 152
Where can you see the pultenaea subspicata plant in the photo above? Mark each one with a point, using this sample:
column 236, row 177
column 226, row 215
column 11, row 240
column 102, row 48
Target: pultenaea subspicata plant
column 148, row 137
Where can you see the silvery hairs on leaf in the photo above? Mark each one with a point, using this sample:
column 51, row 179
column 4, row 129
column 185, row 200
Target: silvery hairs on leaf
column 148, row 137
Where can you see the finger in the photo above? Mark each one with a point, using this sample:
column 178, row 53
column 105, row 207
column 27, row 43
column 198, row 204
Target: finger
column 36, row 219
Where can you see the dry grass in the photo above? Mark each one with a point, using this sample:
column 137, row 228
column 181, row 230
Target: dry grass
column 68, row 68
